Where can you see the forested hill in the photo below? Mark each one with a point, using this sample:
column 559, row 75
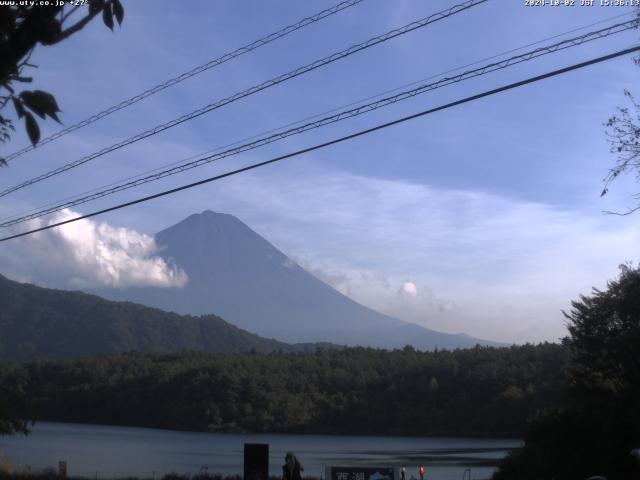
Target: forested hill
column 41, row 322
column 481, row 391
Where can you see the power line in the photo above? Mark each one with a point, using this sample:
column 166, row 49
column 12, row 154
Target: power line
column 317, row 115
column 335, row 141
column 191, row 73
column 255, row 89
column 328, row 120
column 492, row 67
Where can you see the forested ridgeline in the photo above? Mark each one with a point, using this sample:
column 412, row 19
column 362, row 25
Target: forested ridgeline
column 477, row 392
column 44, row 322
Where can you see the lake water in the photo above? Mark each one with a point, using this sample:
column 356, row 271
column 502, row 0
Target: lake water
column 110, row 452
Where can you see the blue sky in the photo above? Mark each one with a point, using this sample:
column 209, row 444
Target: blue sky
column 485, row 218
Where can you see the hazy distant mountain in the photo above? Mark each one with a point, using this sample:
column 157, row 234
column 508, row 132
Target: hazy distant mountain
column 41, row 322
column 235, row 273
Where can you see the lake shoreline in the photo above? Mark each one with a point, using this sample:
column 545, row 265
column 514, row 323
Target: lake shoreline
column 328, row 432
column 98, row 451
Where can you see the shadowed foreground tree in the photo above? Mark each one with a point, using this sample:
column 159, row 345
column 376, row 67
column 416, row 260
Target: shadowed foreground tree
column 599, row 424
column 14, row 409
column 605, row 338
column 22, row 29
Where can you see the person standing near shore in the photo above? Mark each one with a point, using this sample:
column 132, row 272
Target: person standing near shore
column 292, row 468
column 421, row 472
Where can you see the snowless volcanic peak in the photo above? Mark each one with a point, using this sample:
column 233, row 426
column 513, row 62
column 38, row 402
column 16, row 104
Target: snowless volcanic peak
column 237, row 274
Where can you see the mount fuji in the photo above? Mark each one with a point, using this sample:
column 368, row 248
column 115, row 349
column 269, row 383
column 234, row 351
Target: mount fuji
column 238, row 275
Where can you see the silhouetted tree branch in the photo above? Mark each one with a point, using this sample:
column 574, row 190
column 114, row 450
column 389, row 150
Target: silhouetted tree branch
column 623, row 133
column 22, row 29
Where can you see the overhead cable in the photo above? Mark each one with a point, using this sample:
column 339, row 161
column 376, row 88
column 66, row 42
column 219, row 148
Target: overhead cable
column 332, row 142
column 318, row 115
column 255, row 89
column 191, row 73
column 360, row 110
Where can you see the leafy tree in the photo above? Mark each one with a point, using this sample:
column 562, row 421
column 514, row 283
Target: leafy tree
column 604, row 337
column 599, row 422
column 22, row 29
column 14, row 406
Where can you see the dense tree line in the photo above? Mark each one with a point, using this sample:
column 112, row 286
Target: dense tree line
column 480, row 391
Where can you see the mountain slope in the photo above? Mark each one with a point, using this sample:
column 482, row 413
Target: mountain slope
column 235, row 273
column 42, row 322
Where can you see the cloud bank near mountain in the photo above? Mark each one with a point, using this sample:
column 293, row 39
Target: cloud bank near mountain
column 482, row 263
column 88, row 254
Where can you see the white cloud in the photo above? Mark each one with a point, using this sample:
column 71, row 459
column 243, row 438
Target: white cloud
column 87, row 254
column 408, row 289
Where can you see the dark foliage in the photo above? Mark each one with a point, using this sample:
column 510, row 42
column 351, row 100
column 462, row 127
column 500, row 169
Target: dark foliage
column 14, row 405
column 477, row 392
column 593, row 432
column 22, row 29
column 605, row 338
